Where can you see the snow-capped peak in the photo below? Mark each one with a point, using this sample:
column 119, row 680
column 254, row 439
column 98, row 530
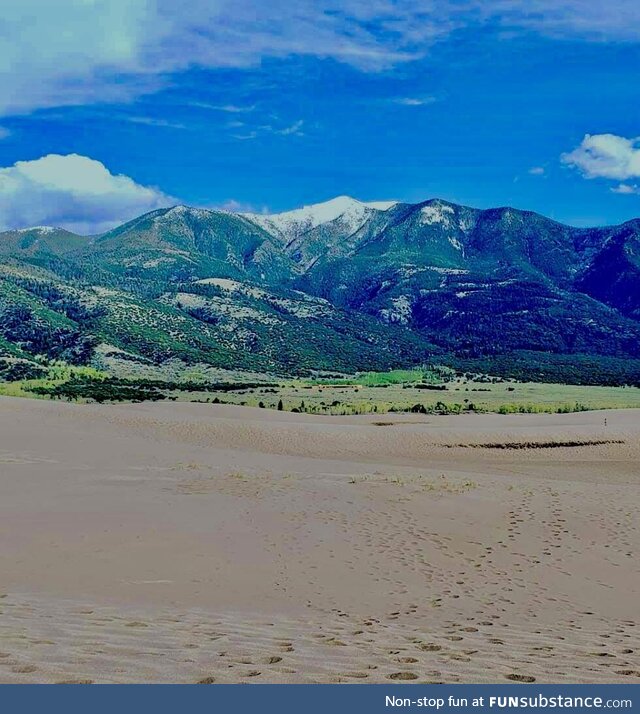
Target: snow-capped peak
column 182, row 210
column 351, row 213
column 40, row 229
column 381, row 205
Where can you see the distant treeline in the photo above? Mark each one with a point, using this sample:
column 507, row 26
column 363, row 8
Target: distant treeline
column 558, row 369
column 113, row 389
column 443, row 408
column 99, row 391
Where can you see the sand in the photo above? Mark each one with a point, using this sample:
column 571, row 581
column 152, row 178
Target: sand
column 202, row 543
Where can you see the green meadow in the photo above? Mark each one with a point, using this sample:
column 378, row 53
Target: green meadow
column 427, row 390
column 457, row 396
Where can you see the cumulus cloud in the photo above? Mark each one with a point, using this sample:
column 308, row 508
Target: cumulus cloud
column 606, row 156
column 86, row 51
column 233, row 206
column 537, row 171
column 73, row 192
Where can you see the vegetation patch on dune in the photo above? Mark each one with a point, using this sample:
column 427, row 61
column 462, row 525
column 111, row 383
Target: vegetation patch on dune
column 538, row 444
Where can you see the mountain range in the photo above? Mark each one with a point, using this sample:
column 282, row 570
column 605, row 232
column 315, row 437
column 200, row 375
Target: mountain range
column 339, row 286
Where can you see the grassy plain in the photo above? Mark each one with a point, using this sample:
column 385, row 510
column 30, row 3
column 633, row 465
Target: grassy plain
column 430, row 390
column 457, row 396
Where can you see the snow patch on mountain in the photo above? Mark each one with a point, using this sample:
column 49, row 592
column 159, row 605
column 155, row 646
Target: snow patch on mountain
column 180, row 211
column 381, row 205
column 436, row 213
column 447, row 271
column 43, row 230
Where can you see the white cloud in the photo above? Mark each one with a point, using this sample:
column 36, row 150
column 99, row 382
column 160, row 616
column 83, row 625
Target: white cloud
column 73, row 192
column 154, row 121
column 249, row 136
column 229, row 108
column 626, row 189
column 94, row 51
column 68, row 52
column 294, row 130
column 592, row 20
column 262, row 130
column 233, row 206
column 415, row 101
column 606, row 156
column 537, row 171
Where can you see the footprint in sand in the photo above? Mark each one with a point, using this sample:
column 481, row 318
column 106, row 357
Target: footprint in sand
column 403, row 676
column 252, row 673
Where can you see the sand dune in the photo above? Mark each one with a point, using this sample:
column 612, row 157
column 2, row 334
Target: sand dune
column 190, row 542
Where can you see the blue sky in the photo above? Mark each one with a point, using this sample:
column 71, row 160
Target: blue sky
column 267, row 107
